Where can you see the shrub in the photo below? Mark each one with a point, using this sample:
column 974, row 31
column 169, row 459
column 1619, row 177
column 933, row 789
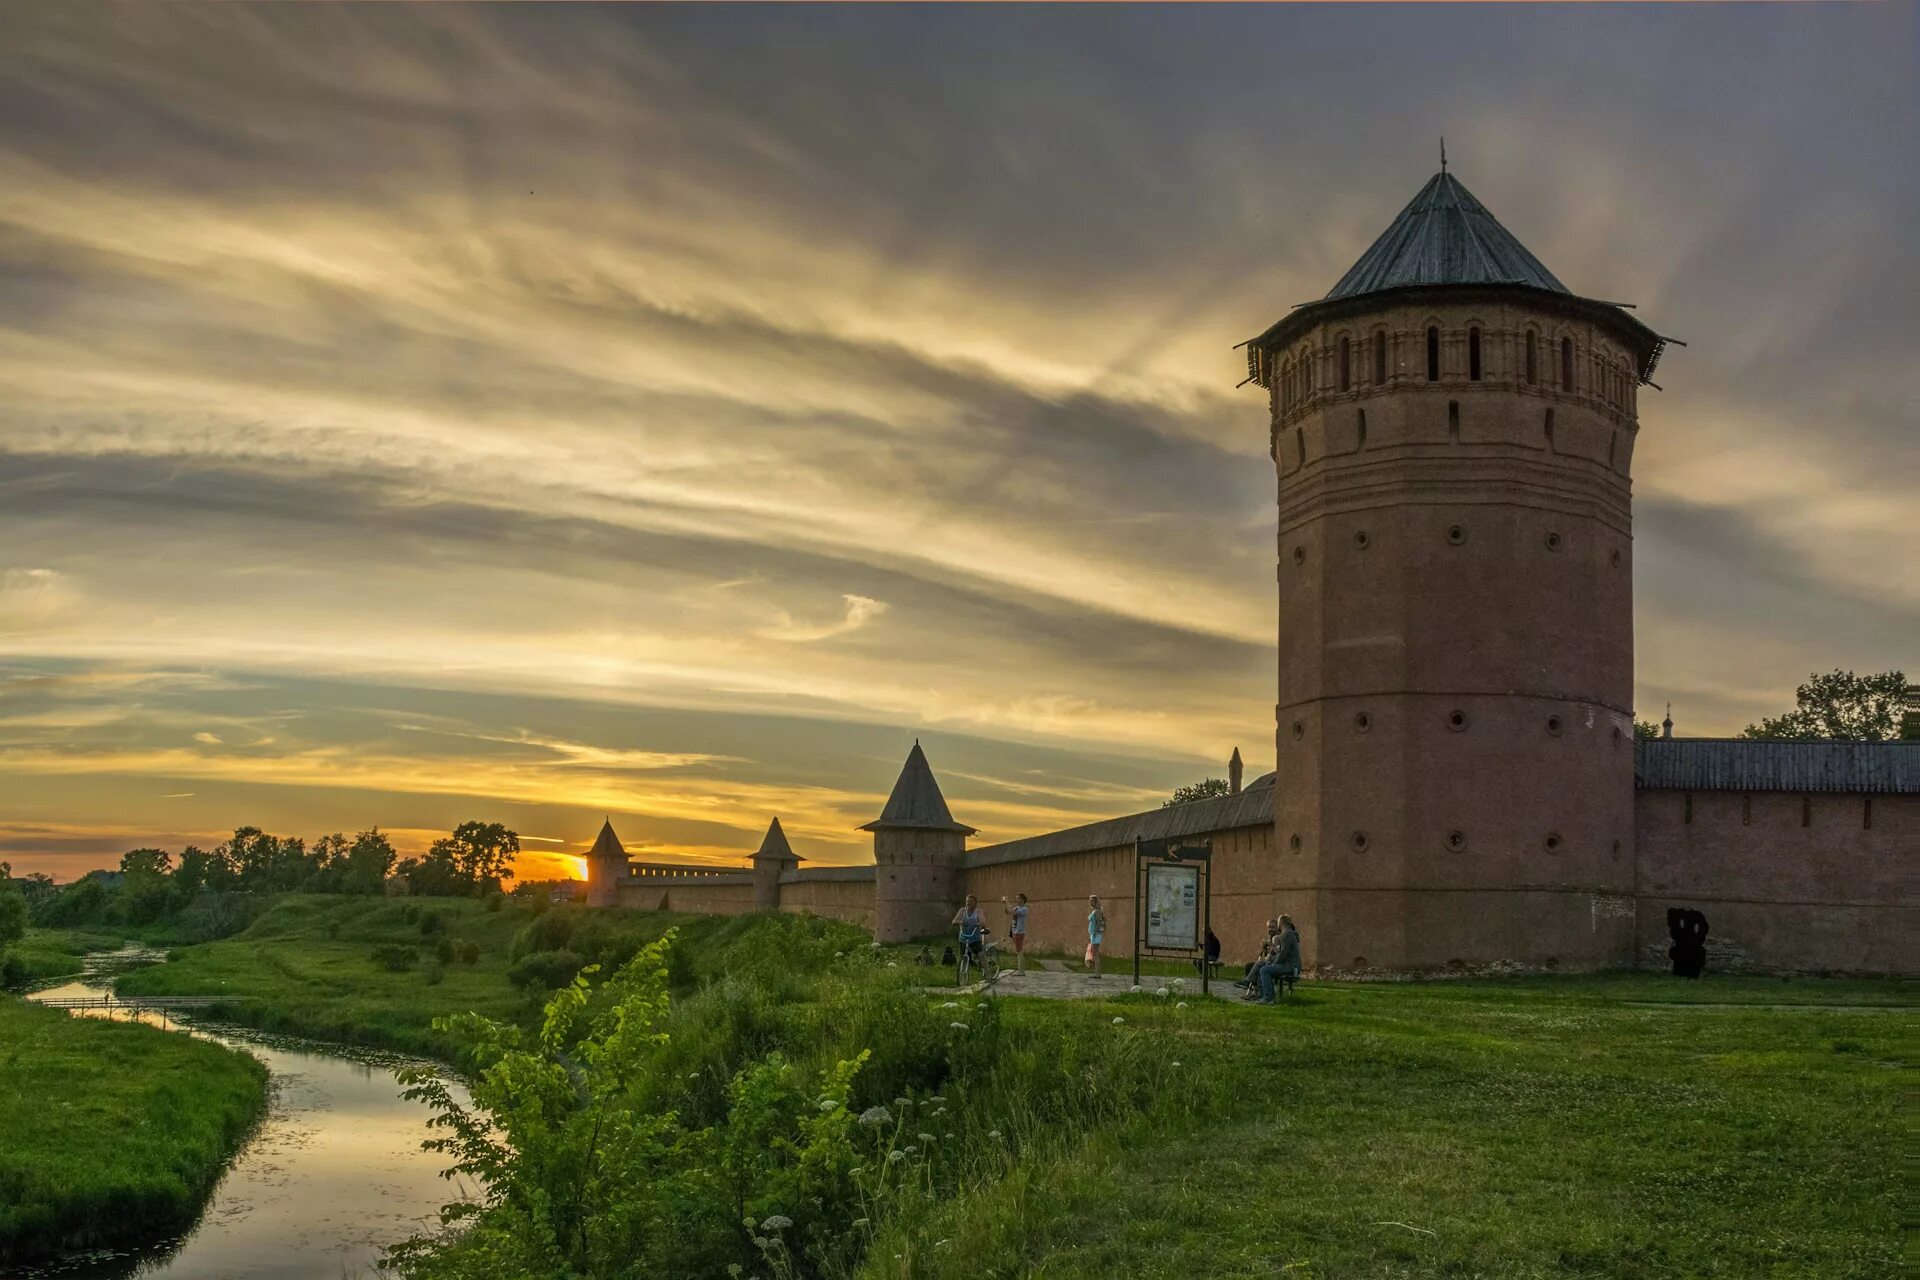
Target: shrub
column 433, row 973
column 545, row 970
column 409, row 913
column 443, row 950
column 431, row 923
column 467, row 952
column 494, row 901
column 395, row 957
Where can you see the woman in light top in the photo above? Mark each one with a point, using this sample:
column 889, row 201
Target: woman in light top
column 1096, row 933
column 1017, row 931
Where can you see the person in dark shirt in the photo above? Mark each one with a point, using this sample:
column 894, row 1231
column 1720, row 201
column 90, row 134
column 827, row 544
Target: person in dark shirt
column 1284, row 964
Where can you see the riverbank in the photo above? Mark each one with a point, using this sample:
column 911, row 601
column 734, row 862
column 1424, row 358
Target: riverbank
column 112, row 1134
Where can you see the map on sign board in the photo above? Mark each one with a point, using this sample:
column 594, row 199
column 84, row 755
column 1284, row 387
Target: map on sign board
column 1173, row 910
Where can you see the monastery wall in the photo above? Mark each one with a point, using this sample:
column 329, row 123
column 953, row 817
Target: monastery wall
column 1789, row 883
column 838, row 893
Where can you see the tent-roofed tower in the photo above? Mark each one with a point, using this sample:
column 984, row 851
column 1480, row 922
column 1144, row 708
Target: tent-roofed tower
column 1452, row 431
column 917, row 847
column 606, row 863
column 774, row 858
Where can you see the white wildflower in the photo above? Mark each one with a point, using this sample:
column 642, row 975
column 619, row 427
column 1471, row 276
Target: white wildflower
column 938, row 1099
column 777, row 1222
column 912, row 1150
column 1118, row 1021
column 874, row 1117
column 958, row 1026
column 925, row 1137
column 861, row 1222
column 903, row 1102
column 893, row 964
column 895, row 1157
column 951, row 1004
column 1176, row 1064
column 949, row 1137
column 1180, row 1004
column 829, row 1104
column 733, row 1269
column 993, row 1133
column 1179, row 982
column 1135, row 988
column 761, row 1242
column 1163, row 993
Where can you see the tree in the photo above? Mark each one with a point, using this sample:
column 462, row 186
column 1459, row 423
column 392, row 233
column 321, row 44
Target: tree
column 434, row 874
column 481, row 853
column 149, row 862
column 1839, row 706
column 13, row 910
column 1645, row 730
column 1205, row 789
column 370, row 861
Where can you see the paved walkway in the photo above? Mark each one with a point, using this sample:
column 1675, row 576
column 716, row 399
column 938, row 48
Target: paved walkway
column 1057, row 982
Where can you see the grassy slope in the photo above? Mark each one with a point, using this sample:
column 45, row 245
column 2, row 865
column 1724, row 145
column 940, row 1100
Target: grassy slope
column 111, row 1133
column 1533, row 1128
column 56, row 953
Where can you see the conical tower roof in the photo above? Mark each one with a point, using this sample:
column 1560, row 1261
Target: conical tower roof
column 916, row 800
column 1444, row 236
column 774, row 845
column 607, row 844
column 1446, row 240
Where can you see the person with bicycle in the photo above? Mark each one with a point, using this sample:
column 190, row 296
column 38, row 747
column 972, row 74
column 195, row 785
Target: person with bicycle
column 973, row 929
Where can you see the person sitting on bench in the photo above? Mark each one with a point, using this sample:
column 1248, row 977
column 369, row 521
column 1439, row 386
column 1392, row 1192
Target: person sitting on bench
column 1285, row 962
column 1266, row 951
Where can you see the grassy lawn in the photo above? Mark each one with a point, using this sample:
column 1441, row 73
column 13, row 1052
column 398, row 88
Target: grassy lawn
column 111, row 1133
column 45, row 954
column 307, row 967
column 1616, row 1126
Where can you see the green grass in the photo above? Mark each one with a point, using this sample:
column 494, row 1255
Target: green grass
column 45, row 954
column 111, row 1133
column 1602, row 1127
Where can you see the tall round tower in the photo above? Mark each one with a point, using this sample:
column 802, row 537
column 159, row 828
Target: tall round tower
column 1452, row 430
column 917, row 849
column 606, row 864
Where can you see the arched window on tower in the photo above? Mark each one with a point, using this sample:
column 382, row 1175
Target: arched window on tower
column 1306, row 373
column 1379, row 357
column 1346, row 363
column 1433, row 354
column 1533, row 358
column 1286, row 386
column 1473, row 354
column 1566, row 364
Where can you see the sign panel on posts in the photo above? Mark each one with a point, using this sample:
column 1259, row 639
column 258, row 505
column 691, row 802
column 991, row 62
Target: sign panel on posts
column 1173, row 906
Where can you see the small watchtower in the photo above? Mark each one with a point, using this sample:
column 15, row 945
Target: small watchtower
column 917, row 848
column 606, row 864
column 774, row 857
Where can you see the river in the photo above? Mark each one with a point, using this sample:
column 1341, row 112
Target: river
column 332, row 1176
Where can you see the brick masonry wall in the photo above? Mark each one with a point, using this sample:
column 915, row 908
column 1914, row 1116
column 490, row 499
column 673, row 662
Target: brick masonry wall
column 1057, row 889
column 1788, row 882
column 849, row 900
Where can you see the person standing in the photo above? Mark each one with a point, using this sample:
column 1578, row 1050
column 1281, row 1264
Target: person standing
column 1017, row 931
column 1096, row 933
column 973, row 926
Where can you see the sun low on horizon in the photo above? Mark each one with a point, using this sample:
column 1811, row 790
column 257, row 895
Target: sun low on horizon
column 575, row 416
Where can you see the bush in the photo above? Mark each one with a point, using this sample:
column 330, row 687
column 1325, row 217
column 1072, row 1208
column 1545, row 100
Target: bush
column 443, row 950
column 433, row 973
column 13, row 971
column 431, row 923
column 545, row 970
column 395, row 958
column 494, row 902
column 467, row 953
column 410, row 913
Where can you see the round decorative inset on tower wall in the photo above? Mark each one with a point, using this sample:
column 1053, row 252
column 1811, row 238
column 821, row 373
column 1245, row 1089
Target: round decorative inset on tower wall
column 1299, row 555
column 1360, row 539
column 1553, row 842
column 1457, row 720
column 1360, row 842
column 1362, row 722
column 1553, row 541
column 1299, row 728
column 1293, row 842
column 1554, row 725
column 1456, row 534
column 1456, row 842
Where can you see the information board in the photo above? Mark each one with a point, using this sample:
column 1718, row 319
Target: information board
column 1173, row 906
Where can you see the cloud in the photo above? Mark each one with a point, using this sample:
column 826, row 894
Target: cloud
column 860, row 610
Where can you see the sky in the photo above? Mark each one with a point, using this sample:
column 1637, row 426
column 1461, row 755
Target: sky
column 411, row 414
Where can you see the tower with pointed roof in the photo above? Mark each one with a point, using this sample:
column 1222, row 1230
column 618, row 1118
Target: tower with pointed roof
column 917, row 850
column 774, row 858
column 606, row 864
column 1452, row 430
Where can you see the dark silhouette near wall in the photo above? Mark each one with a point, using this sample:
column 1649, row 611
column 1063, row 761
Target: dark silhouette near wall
column 1689, row 949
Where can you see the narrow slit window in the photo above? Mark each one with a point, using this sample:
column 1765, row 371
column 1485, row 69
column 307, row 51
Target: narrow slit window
column 1360, row 429
column 1453, row 419
column 1533, row 358
column 1473, row 355
column 1306, row 370
column 1566, row 364
column 1433, row 354
column 1379, row 357
column 1346, row 364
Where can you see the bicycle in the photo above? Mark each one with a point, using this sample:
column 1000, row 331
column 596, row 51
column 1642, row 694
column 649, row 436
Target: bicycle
column 986, row 962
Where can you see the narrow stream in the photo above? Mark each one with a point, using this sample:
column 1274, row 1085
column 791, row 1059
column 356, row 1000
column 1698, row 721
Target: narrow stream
column 332, row 1176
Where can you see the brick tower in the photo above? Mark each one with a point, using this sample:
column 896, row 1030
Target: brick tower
column 774, row 858
column 917, row 847
column 1452, row 430
column 606, row 863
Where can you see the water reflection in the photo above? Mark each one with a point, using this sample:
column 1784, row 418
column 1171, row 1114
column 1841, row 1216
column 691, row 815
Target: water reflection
column 333, row 1175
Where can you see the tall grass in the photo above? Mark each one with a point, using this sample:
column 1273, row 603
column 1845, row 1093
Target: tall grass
column 111, row 1133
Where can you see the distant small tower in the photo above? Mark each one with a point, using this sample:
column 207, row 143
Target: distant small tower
column 1666, row 726
column 1234, row 770
column 774, row 857
column 917, row 847
column 606, row 864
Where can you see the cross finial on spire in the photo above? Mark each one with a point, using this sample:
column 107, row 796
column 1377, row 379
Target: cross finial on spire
column 1443, row 153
